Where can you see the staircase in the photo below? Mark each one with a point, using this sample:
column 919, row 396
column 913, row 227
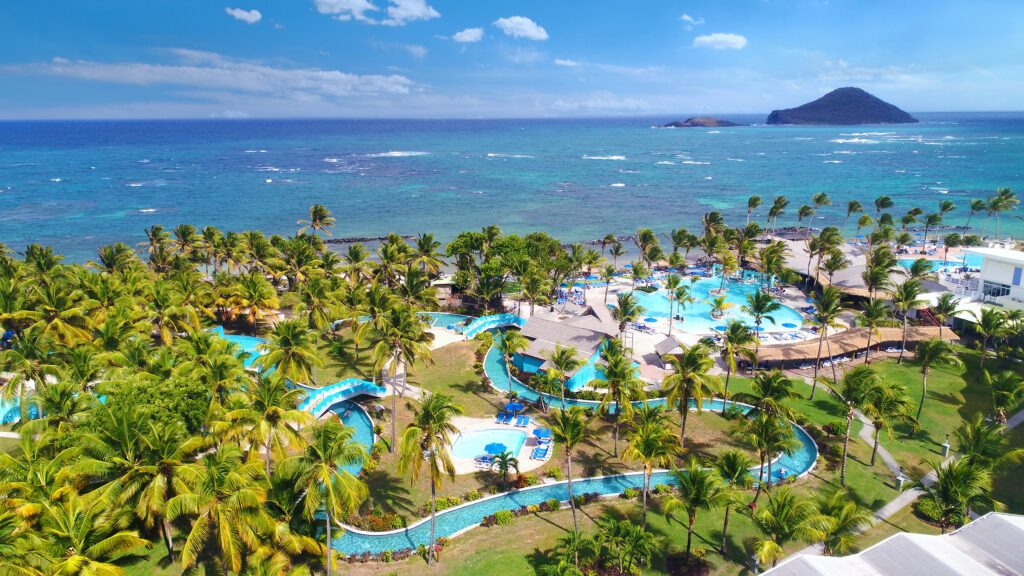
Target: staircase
column 927, row 317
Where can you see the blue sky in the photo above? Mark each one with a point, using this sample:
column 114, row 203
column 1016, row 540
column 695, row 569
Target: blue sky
column 493, row 58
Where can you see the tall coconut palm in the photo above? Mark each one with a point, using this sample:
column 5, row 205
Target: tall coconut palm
column 946, row 307
column 320, row 220
column 733, row 467
column 769, row 393
column 986, row 445
column 828, row 307
column 428, row 440
column 627, row 310
column 328, row 487
column 753, row 203
column 84, row 537
column 736, row 341
column 512, row 342
column 607, row 275
column 768, row 435
column 856, row 390
column 651, row 444
column 988, row 324
column 1007, row 389
column 960, row 486
column 672, row 283
column 252, row 296
column 848, row 520
column 291, row 352
column 931, row 353
column 563, row 361
column 873, row 315
column 887, row 407
column 621, row 383
column 906, row 297
column 504, row 463
column 700, row 489
column 761, row 305
column 690, row 381
column 170, row 449
column 269, row 420
column 569, row 428
column 223, row 497
column 852, row 207
column 400, row 340
column 787, row 517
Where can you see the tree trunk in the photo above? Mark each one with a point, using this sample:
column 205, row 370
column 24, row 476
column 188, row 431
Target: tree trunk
column 643, row 496
column 725, row 528
column 508, row 374
column 394, row 415
column 867, row 351
column 327, row 524
column 874, row 448
column 828, row 347
column 689, row 537
column 671, row 316
column 981, row 357
column 817, row 363
column 572, row 503
column 760, row 478
column 684, row 412
column 267, row 458
column 433, row 516
column 725, row 391
column 846, row 447
column 168, row 539
column 606, row 286
column 903, row 346
column 924, row 392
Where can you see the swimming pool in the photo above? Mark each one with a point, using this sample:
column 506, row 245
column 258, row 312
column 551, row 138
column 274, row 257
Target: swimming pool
column 248, row 344
column 969, row 260
column 444, row 319
column 471, row 444
column 352, row 415
column 697, row 315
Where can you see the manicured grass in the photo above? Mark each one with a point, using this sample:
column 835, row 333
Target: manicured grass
column 1008, row 482
column 153, row 562
column 903, row 521
column 8, row 445
column 451, row 373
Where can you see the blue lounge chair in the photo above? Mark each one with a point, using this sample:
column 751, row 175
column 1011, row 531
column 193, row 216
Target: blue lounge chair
column 508, row 418
column 519, row 421
column 526, row 421
column 500, row 417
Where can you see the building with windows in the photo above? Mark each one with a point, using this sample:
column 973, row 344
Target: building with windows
column 1001, row 280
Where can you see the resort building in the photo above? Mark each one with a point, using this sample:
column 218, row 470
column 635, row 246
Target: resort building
column 1000, row 280
column 989, row 546
column 585, row 332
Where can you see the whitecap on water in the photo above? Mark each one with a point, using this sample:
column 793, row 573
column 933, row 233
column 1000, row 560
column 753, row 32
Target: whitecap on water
column 332, row 160
column 398, row 154
column 269, row 181
column 666, row 162
column 708, row 178
column 695, row 162
column 147, row 210
column 831, row 161
column 713, row 132
column 613, row 157
column 255, row 151
column 736, row 159
column 629, row 171
column 55, row 179
column 854, row 141
column 618, row 185
column 501, row 155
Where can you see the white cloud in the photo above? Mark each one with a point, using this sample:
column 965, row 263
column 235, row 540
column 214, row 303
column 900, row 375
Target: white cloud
column 416, row 51
column 345, row 10
column 522, row 55
column 247, row 16
column 691, row 21
column 521, row 27
column 720, row 41
column 401, row 12
column 209, row 71
column 566, row 62
column 603, row 103
column 469, row 35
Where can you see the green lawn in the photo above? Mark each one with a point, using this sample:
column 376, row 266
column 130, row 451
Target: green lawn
column 903, row 521
column 1008, row 484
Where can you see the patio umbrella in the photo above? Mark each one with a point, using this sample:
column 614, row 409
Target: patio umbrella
column 542, row 433
column 788, row 325
column 721, row 328
column 495, row 448
column 513, row 407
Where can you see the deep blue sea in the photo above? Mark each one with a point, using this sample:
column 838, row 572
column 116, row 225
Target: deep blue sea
column 78, row 185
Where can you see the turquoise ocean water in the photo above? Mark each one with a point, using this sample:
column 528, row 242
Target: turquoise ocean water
column 77, row 185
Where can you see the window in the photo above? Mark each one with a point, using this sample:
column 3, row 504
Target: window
column 995, row 289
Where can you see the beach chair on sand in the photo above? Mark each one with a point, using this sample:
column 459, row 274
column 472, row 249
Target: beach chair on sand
column 500, row 417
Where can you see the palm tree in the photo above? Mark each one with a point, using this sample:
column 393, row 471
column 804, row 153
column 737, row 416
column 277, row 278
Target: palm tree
column 607, row 275
column 856, row 390
column 699, row 489
column 990, row 323
column 672, row 283
column 753, row 203
column 269, row 419
column 511, row 343
column 83, row 536
column 224, row 493
column 768, row 435
column 905, row 298
column 828, row 304
column 320, row 220
column 563, row 362
column 627, row 310
column 769, row 392
column 976, row 207
column 621, row 384
column 1007, row 388
column 986, row 445
column 960, row 486
column 505, row 462
column 690, row 381
column 169, row 448
column 291, row 352
column 874, row 314
column 252, row 296
column 761, row 305
column 787, row 517
column 852, row 207
column 736, row 341
column 569, row 427
column 653, row 445
column 930, row 353
column 888, row 406
column 848, row 520
column 327, row 486
column 428, row 439
column 19, row 548
column 616, row 251
column 946, row 307
column 733, row 467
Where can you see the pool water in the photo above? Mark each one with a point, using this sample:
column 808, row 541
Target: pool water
column 471, row 444
column 697, row 315
column 351, row 415
column 969, row 260
column 248, row 344
column 444, row 319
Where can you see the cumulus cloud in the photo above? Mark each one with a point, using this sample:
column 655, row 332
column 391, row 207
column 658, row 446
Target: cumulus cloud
column 720, row 41
column 401, row 12
column 521, row 27
column 416, row 51
column 209, row 71
column 691, row 21
column 247, row 16
column 566, row 62
column 469, row 35
column 346, row 10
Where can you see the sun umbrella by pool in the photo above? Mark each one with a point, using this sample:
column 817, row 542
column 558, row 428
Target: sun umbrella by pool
column 495, row 448
column 789, row 325
column 721, row 328
column 759, row 328
column 809, row 300
column 542, row 433
column 513, row 407
column 650, row 319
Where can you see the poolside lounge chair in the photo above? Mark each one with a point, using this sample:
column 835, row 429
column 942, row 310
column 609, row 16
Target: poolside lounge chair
column 508, row 418
column 540, row 453
column 525, row 422
column 500, row 417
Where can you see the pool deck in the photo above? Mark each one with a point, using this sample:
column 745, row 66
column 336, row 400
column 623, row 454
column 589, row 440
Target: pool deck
column 526, row 464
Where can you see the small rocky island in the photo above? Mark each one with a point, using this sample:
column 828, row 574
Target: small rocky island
column 700, row 122
column 843, row 106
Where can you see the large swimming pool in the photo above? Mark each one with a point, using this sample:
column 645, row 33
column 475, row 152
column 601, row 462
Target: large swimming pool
column 351, row 415
column 969, row 260
column 697, row 315
column 248, row 344
column 473, row 443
